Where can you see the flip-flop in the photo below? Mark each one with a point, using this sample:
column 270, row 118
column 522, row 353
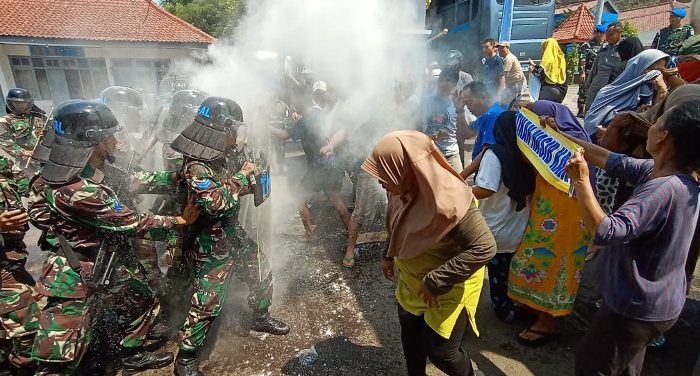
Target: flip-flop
column 657, row 342
column 349, row 262
column 544, row 337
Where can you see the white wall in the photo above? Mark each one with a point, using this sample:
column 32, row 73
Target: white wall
column 174, row 54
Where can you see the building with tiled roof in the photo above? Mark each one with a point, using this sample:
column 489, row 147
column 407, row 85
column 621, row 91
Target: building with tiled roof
column 73, row 49
column 577, row 28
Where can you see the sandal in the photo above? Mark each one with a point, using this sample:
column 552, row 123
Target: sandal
column 657, row 343
column 544, row 337
column 349, row 262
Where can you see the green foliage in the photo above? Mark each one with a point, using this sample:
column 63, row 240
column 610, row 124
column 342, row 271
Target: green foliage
column 219, row 18
column 629, row 30
column 572, row 60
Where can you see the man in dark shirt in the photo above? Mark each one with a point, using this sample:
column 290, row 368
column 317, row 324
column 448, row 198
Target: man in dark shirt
column 494, row 75
column 607, row 59
column 325, row 172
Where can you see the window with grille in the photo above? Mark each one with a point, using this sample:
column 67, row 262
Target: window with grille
column 142, row 74
column 60, row 78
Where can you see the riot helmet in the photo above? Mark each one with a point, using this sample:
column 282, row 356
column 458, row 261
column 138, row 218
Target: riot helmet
column 126, row 104
column 78, row 126
column 182, row 110
column 19, row 101
column 207, row 137
column 122, row 97
column 43, row 149
column 453, row 60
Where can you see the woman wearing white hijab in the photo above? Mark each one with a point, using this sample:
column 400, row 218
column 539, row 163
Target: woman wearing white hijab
column 641, row 79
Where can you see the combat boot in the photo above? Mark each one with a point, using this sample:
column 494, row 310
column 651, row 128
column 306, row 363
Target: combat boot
column 158, row 332
column 186, row 364
column 266, row 323
column 146, row 360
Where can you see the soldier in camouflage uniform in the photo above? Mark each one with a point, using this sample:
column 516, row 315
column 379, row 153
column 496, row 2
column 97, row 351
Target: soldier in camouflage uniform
column 71, row 202
column 183, row 108
column 586, row 56
column 221, row 246
column 21, row 126
column 671, row 38
column 19, row 312
column 129, row 108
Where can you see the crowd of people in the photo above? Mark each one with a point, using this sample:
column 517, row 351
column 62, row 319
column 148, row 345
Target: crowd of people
column 452, row 221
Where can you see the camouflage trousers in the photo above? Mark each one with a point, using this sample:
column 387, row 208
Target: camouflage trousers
column 581, row 94
column 19, row 314
column 211, row 267
column 67, row 325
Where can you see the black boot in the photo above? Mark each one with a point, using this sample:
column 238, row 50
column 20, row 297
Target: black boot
column 147, row 360
column 266, row 323
column 186, row 364
column 158, row 332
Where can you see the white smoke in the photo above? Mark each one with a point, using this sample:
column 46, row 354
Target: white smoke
column 360, row 48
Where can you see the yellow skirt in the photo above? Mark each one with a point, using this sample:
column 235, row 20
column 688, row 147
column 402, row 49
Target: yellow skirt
column 546, row 270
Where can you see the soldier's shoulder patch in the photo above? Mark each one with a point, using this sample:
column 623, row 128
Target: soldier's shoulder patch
column 204, row 183
column 117, row 206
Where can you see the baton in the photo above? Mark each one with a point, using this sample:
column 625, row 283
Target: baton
column 41, row 137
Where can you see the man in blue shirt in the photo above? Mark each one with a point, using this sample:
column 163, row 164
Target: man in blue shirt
column 494, row 74
column 481, row 101
column 440, row 117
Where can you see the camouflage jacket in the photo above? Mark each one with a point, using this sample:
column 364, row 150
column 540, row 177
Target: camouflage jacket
column 85, row 212
column 19, row 133
column 670, row 41
column 216, row 190
column 587, row 54
column 10, row 199
column 168, row 202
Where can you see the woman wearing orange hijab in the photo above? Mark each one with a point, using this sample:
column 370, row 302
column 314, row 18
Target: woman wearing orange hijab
column 440, row 243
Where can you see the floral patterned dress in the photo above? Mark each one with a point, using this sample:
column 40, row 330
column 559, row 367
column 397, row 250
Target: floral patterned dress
column 546, row 270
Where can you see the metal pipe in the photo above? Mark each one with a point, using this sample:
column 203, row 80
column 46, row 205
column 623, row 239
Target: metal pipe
column 438, row 35
column 599, row 12
column 506, row 20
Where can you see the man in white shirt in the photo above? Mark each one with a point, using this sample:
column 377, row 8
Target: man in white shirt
column 507, row 225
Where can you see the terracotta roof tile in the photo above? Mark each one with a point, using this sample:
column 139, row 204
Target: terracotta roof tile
column 577, row 28
column 104, row 20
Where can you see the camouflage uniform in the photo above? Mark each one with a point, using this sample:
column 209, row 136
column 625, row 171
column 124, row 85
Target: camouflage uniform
column 19, row 312
column 670, row 41
column 18, row 133
column 86, row 212
column 587, row 54
column 222, row 247
column 168, row 203
column 147, row 182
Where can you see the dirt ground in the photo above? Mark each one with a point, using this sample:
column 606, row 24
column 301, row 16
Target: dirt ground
column 349, row 317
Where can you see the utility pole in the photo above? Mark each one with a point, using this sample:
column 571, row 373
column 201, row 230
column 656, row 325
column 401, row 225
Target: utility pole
column 506, row 20
column 599, row 12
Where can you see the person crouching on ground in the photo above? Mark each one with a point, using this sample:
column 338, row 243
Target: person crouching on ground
column 439, row 241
